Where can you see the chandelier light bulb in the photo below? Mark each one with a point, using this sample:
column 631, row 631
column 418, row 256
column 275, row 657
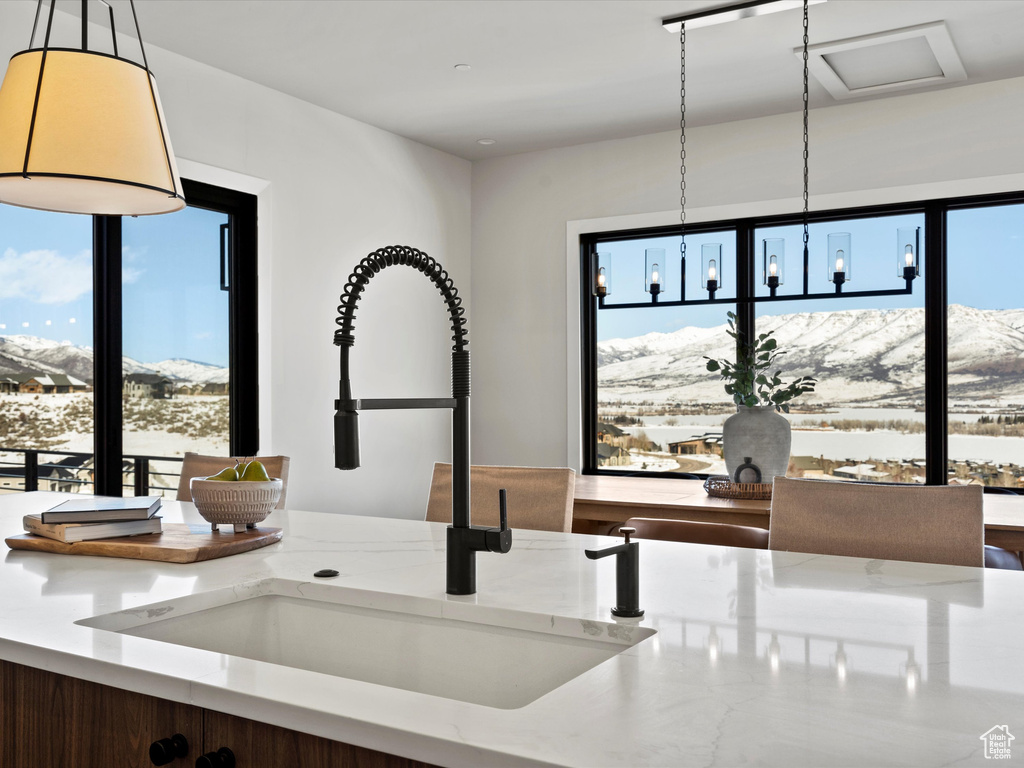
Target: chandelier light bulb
column 773, row 266
column 909, row 255
column 839, row 261
column 712, row 270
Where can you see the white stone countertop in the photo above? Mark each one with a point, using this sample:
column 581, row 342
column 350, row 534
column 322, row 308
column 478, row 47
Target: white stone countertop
column 759, row 657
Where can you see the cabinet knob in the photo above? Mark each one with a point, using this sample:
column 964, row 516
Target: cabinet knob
column 222, row 758
column 164, row 751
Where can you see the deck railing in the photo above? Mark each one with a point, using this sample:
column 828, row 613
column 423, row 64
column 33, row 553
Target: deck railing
column 33, row 474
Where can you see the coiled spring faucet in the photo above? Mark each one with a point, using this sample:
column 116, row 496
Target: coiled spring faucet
column 464, row 539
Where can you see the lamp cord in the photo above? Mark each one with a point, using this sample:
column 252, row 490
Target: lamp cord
column 35, row 23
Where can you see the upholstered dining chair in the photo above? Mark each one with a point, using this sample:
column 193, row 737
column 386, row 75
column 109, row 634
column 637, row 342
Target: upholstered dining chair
column 539, row 498
column 721, row 534
column 928, row 524
column 197, row 465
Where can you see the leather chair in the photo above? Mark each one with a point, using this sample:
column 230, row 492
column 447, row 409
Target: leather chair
column 539, row 498
column 996, row 557
column 720, row 534
column 1004, row 559
column 197, row 465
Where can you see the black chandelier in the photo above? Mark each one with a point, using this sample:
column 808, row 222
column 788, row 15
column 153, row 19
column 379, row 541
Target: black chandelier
column 839, row 257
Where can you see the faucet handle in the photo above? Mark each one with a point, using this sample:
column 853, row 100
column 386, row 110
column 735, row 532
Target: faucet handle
column 627, row 532
column 500, row 539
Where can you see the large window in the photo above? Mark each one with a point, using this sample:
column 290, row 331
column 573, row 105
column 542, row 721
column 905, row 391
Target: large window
column 46, row 372
column 986, row 345
column 125, row 343
column 878, row 347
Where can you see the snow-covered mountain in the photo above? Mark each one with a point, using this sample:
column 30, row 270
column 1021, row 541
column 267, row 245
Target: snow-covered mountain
column 24, row 354
column 190, row 370
column 859, row 357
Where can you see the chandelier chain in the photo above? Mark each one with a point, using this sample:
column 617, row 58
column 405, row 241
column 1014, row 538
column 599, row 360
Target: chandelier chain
column 806, row 152
column 682, row 140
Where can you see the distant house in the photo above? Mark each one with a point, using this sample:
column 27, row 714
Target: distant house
column 611, row 455
column 860, row 472
column 807, row 464
column 708, row 443
column 147, row 385
column 7, row 384
column 63, row 383
column 215, row 388
column 69, row 475
column 608, row 433
column 46, row 383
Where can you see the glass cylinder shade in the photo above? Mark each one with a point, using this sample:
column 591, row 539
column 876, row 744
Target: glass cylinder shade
column 840, row 258
column 908, row 252
column 654, row 270
column 603, row 274
column 711, row 266
column 92, row 140
column 773, row 258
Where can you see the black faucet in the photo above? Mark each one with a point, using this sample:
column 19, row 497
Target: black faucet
column 464, row 539
column 627, row 574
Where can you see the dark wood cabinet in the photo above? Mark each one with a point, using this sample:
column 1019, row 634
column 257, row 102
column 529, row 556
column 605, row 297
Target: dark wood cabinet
column 54, row 721
column 257, row 745
column 60, row 722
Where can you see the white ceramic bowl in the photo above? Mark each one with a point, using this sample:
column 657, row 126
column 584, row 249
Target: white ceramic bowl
column 239, row 502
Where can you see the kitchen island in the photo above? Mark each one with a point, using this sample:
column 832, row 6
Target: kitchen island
column 757, row 657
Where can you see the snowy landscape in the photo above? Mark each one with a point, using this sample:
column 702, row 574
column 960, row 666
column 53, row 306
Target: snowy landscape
column 63, row 421
column 868, row 405
column 861, row 358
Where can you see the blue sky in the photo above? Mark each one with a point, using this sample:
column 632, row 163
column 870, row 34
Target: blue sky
column 173, row 305
column 986, row 248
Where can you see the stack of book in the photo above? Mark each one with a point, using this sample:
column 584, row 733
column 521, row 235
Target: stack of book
column 98, row 517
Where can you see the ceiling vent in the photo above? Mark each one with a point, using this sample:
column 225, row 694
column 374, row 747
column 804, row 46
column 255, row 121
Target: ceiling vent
column 913, row 57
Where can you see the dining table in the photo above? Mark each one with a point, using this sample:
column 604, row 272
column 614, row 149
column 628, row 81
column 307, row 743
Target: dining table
column 601, row 503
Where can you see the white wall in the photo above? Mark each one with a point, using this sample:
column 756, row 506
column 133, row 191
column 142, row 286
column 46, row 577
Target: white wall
column 333, row 190
column 525, row 266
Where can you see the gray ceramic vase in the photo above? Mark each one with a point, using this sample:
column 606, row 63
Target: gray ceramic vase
column 756, row 442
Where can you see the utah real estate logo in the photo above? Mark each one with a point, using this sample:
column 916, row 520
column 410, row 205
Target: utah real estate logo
column 997, row 742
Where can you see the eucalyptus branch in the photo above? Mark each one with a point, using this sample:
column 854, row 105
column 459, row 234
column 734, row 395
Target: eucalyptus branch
column 749, row 380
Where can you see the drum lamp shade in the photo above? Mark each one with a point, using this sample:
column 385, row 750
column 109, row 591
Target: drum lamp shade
column 87, row 136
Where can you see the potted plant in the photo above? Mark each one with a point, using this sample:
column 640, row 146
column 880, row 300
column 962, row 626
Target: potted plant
column 756, row 439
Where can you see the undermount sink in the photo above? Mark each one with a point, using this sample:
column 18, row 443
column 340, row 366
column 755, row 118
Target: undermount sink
column 456, row 650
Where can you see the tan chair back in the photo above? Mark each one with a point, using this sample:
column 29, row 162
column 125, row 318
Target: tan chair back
column 720, row 534
column 197, row 465
column 926, row 524
column 539, row 498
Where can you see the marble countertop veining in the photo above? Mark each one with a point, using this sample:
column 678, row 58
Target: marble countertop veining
column 759, row 658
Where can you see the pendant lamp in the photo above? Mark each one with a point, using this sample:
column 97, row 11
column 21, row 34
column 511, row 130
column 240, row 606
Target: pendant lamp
column 82, row 131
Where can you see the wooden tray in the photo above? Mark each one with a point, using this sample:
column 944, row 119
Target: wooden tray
column 177, row 543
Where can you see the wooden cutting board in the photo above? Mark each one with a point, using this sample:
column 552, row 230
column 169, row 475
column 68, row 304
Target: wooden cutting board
column 177, row 543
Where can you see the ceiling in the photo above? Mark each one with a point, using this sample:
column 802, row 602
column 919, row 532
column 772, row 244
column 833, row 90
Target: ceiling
column 548, row 73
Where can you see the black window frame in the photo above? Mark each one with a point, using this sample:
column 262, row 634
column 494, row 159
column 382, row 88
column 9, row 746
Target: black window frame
column 243, row 342
column 935, row 304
